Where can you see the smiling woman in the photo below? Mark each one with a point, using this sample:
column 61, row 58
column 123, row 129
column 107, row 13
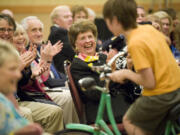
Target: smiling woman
column 9, row 68
column 11, row 122
column 20, row 38
column 9, row 75
column 7, row 27
column 83, row 35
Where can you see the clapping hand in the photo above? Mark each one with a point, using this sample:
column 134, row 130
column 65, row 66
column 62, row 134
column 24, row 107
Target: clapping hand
column 28, row 56
column 39, row 69
column 49, row 51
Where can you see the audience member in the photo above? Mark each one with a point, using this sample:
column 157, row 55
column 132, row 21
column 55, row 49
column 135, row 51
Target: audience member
column 83, row 36
column 141, row 14
column 91, row 14
column 166, row 23
column 172, row 13
column 61, row 18
column 7, row 27
column 152, row 59
column 38, row 110
column 175, row 21
column 79, row 12
column 11, row 121
column 177, row 36
column 63, row 97
column 7, row 12
column 155, row 21
column 177, row 41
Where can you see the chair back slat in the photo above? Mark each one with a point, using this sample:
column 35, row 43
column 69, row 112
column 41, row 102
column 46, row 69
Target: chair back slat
column 74, row 93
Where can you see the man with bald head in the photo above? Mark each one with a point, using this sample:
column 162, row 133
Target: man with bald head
column 61, row 18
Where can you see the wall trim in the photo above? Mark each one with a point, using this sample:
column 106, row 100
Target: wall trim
column 48, row 8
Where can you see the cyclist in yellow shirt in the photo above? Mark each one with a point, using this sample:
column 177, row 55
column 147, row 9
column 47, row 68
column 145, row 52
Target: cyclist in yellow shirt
column 155, row 66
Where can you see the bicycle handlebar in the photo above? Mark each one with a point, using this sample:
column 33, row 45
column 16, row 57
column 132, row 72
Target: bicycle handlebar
column 89, row 83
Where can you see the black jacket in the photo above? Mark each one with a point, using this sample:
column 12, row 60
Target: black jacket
column 67, row 53
column 80, row 69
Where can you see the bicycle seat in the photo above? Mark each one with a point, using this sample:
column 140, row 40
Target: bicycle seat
column 174, row 112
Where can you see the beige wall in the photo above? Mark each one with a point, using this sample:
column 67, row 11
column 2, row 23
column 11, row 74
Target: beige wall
column 42, row 8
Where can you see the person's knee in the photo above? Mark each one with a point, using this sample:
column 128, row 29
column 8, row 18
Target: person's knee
column 126, row 121
column 68, row 96
column 26, row 113
column 56, row 111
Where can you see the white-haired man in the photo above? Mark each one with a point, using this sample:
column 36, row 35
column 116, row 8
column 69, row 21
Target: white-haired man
column 91, row 14
column 61, row 18
column 34, row 28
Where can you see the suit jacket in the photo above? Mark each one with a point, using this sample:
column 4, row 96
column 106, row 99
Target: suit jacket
column 67, row 53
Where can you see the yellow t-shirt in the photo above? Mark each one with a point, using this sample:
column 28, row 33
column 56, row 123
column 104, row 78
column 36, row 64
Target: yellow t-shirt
column 149, row 49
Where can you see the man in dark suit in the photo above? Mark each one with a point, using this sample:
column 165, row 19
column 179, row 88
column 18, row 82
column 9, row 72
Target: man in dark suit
column 61, row 18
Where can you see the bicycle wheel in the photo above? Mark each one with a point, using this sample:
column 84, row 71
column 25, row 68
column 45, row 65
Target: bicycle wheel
column 73, row 132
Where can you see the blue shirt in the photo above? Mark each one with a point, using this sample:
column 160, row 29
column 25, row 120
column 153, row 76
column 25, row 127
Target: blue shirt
column 175, row 52
column 10, row 120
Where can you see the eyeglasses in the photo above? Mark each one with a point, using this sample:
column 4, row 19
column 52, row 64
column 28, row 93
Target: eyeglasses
column 9, row 30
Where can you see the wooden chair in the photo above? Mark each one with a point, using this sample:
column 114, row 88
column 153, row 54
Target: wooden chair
column 74, row 93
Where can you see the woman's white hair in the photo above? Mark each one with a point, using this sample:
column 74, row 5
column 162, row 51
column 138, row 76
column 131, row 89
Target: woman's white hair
column 20, row 28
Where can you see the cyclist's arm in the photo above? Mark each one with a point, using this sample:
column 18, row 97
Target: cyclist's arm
column 144, row 77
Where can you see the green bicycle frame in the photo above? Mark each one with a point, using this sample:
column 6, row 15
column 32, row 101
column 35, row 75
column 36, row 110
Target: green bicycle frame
column 171, row 127
column 100, row 127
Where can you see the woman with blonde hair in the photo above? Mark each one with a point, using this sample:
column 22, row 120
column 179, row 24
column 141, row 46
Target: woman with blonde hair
column 166, row 24
column 155, row 21
column 11, row 122
column 21, row 43
column 38, row 109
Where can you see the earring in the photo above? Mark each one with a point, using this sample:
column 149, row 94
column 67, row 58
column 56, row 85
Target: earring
column 76, row 50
